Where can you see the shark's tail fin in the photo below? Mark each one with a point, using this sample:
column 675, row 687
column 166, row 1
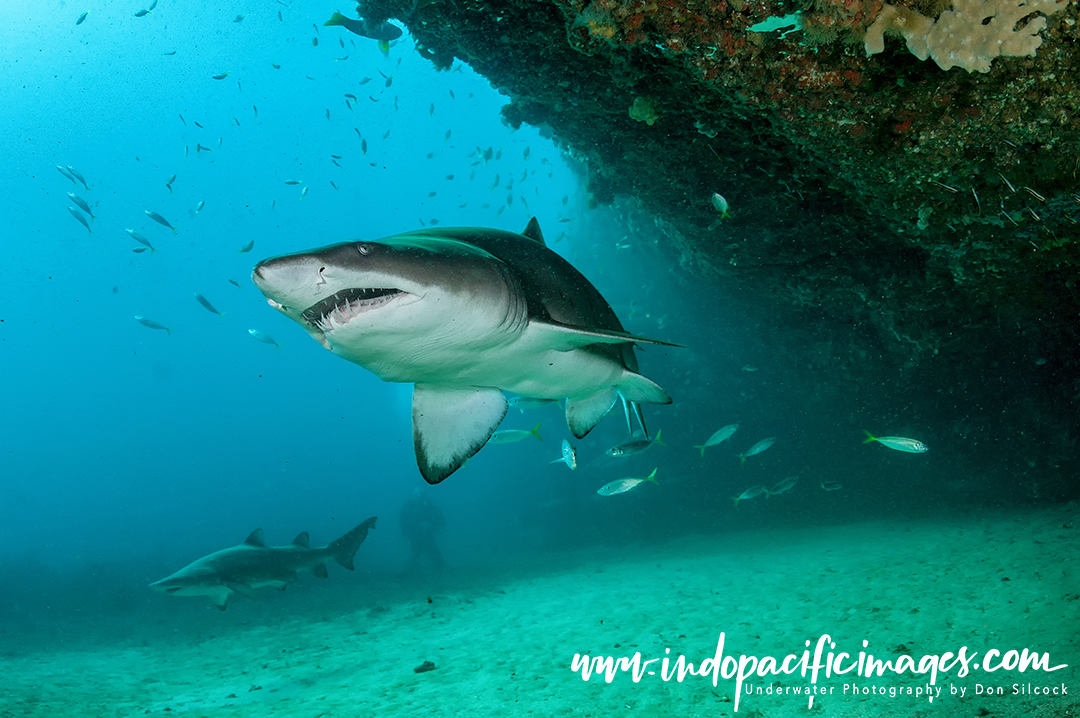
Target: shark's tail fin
column 346, row 547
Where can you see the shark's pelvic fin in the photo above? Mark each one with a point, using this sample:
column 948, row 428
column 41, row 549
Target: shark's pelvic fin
column 451, row 424
column 319, row 570
column 640, row 390
column 564, row 338
column 583, row 414
column 255, row 538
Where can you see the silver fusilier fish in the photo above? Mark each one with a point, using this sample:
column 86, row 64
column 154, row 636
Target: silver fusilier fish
column 264, row 338
column 621, row 486
column 634, row 446
column 569, row 455
column 207, row 305
column 81, row 204
column 719, row 436
column 898, row 443
column 150, row 323
column 160, row 220
column 82, row 220
column 750, row 493
column 510, row 436
column 757, row 449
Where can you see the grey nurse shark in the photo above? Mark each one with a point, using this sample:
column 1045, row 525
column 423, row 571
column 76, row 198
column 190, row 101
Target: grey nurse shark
column 253, row 564
column 464, row 313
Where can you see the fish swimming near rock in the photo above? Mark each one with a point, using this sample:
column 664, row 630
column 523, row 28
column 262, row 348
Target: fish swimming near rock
column 253, row 564
column 464, row 313
column 382, row 31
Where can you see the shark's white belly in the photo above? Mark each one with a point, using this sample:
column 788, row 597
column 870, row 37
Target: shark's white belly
column 511, row 362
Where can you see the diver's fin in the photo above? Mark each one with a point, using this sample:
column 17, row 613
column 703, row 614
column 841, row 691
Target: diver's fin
column 583, row 414
column 563, row 337
column 451, row 424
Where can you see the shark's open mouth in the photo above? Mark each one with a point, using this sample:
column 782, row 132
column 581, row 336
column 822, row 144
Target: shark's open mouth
column 345, row 305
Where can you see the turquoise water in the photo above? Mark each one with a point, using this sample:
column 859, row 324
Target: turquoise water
column 127, row 452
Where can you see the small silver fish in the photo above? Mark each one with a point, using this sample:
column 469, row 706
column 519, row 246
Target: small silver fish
column 510, row 436
column 634, row 446
column 221, row 76
column 750, row 493
column 303, row 193
column 757, row 449
column 141, row 240
column 784, row 486
column 899, row 443
column 831, row 485
column 142, row 13
column 75, row 173
column 207, row 305
column 235, row 283
column 569, row 455
column 291, row 182
column 168, row 183
column 720, row 204
column 264, row 337
column 81, row 204
column 152, row 324
column 198, row 208
column 621, row 486
column 159, row 219
column 81, row 19
column 719, row 436
column 66, row 174
column 79, row 216
column 247, row 247
column 521, row 403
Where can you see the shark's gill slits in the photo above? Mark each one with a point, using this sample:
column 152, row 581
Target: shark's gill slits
column 347, row 304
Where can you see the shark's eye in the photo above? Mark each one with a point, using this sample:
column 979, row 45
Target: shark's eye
column 363, row 248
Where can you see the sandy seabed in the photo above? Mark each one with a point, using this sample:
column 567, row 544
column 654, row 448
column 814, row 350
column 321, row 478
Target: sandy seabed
column 503, row 645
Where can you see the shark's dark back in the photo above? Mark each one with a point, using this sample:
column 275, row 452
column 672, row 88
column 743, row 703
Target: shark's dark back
column 554, row 290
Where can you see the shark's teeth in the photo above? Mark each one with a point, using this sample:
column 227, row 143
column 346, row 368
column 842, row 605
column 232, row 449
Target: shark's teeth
column 336, row 310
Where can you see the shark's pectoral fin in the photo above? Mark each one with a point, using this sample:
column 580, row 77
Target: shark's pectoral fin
column 452, row 424
column 583, row 414
column 563, row 337
column 319, row 570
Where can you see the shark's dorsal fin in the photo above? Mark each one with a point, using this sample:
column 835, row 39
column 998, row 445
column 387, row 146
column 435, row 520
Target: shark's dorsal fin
column 255, row 539
column 302, row 539
column 532, row 231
